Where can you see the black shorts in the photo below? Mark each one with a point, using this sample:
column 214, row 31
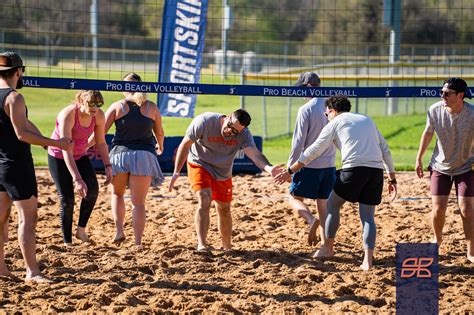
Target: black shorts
column 360, row 184
column 18, row 180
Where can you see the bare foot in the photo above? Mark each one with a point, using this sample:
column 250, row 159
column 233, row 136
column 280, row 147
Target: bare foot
column 312, row 235
column 82, row 235
column 138, row 248
column 38, row 279
column 204, row 248
column 366, row 264
column 323, row 252
column 118, row 239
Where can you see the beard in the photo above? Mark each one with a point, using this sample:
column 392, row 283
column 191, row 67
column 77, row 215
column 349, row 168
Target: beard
column 19, row 84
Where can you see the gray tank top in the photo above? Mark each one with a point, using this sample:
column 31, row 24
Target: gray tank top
column 134, row 131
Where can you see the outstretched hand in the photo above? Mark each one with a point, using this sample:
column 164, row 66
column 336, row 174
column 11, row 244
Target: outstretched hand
column 173, row 181
column 65, row 144
column 275, row 170
column 282, row 177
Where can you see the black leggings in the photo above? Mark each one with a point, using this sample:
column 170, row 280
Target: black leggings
column 65, row 186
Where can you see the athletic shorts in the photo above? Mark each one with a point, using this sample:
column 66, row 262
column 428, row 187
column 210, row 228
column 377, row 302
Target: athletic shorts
column 313, row 183
column 360, row 184
column 18, row 180
column 200, row 178
column 440, row 184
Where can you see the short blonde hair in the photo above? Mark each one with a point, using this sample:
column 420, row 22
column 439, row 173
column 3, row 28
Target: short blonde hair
column 138, row 97
column 89, row 96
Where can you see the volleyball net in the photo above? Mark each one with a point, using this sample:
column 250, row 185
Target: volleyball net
column 389, row 57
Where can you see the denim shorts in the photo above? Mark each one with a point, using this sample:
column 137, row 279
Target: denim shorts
column 137, row 162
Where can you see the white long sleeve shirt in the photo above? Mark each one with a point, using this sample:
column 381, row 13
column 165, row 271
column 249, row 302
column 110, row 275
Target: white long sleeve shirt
column 358, row 139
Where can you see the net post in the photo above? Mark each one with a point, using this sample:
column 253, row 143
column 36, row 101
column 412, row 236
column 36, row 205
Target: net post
column 242, row 82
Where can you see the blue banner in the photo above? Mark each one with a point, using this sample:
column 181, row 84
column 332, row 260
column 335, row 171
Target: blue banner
column 417, row 278
column 182, row 43
column 225, row 89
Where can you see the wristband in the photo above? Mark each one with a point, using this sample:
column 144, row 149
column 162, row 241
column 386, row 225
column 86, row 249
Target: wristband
column 392, row 181
column 289, row 171
column 107, row 165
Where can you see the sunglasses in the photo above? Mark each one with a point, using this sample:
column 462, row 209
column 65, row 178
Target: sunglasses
column 326, row 113
column 447, row 93
column 230, row 125
column 91, row 104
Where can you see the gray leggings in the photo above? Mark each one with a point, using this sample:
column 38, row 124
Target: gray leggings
column 366, row 213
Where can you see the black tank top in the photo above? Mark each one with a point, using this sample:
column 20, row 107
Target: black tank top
column 11, row 149
column 133, row 131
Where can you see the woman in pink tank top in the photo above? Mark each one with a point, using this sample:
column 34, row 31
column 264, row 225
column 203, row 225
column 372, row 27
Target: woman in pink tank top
column 72, row 170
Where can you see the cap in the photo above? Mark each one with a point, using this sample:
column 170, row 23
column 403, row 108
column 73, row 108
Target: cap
column 458, row 85
column 9, row 60
column 308, row 78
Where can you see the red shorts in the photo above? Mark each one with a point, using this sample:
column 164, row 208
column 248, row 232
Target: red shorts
column 200, row 178
column 440, row 184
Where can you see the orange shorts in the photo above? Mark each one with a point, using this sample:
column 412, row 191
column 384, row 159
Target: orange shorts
column 200, row 178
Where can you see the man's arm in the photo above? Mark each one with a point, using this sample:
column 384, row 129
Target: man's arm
column 25, row 130
column 261, row 161
column 425, row 140
column 325, row 139
column 389, row 166
column 181, row 157
column 33, row 127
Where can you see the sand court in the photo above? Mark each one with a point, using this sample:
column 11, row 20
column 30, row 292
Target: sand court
column 270, row 270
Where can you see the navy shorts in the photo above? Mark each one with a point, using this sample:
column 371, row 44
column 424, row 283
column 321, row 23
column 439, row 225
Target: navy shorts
column 18, row 180
column 313, row 183
column 360, row 184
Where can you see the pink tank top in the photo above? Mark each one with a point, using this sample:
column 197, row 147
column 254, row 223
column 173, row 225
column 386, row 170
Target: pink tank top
column 79, row 136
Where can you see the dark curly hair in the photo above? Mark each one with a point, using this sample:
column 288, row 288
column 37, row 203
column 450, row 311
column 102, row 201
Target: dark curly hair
column 339, row 102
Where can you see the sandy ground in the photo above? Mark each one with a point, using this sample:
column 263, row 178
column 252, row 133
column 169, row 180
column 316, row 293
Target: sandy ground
column 270, row 270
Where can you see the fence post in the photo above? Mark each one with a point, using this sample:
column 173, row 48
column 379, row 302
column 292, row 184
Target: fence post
column 264, row 117
column 289, row 103
column 242, row 82
column 357, row 85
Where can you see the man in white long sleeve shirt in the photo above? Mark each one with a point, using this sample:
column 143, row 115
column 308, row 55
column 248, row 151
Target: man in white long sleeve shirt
column 316, row 179
column 364, row 154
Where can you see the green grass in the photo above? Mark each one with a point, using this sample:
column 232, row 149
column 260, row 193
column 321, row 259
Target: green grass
column 401, row 132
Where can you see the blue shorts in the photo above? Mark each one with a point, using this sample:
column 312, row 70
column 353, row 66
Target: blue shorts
column 313, row 183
